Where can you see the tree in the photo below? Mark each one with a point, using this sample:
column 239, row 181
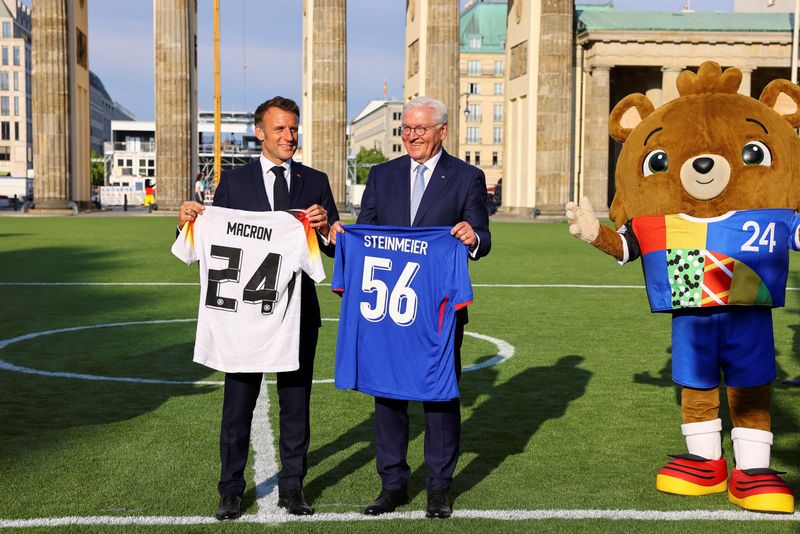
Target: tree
column 365, row 159
column 98, row 169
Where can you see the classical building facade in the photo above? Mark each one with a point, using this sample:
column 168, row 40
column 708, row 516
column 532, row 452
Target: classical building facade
column 618, row 53
column 482, row 83
column 378, row 127
column 16, row 154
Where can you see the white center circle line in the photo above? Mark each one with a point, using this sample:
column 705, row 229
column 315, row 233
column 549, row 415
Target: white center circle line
column 504, row 351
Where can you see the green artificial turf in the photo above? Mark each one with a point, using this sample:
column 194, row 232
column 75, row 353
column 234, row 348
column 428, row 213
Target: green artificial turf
column 581, row 417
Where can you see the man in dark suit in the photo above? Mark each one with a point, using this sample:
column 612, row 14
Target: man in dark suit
column 428, row 187
column 263, row 186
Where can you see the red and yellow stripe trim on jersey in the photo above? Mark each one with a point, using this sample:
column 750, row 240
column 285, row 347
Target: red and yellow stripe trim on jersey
column 311, row 234
column 188, row 233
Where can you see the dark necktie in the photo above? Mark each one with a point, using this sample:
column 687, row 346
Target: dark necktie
column 280, row 191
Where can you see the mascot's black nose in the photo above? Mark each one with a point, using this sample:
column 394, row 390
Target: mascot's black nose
column 703, row 165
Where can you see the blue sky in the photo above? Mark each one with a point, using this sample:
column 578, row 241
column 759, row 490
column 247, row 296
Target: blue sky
column 266, row 35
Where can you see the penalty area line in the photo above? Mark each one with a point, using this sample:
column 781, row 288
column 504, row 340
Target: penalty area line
column 499, row 515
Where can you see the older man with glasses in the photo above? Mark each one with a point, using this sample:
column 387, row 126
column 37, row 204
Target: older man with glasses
column 428, row 187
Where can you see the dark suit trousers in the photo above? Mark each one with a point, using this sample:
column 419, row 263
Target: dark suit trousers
column 294, row 395
column 442, row 436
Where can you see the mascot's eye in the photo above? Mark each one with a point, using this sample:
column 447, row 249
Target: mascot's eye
column 756, row 153
column 655, row 161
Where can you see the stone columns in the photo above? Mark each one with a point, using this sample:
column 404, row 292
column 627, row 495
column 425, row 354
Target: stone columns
column 176, row 99
column 432, row 58
column 669, row 76
column 745, row 86
column 554, row 107
column 443, row 62
column 51, row 113
column 324, row 111
column 595, row 140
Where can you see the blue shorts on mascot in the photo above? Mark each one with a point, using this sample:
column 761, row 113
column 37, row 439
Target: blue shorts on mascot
column 707, row 189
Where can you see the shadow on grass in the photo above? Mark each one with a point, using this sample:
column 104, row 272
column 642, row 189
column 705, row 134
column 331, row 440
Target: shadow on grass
column 35, row 409
column 502, row 425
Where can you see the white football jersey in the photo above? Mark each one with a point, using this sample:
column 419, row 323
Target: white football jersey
column 250, row 268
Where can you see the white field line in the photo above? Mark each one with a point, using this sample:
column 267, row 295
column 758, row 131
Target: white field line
column 501, row 515
column 504, row 351
column 264, row 464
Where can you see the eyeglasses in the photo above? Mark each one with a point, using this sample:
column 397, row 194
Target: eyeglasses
column 405, row 131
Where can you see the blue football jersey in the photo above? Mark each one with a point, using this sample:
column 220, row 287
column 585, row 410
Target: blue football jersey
column 401, row 288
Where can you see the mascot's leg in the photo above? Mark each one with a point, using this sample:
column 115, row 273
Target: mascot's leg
column 754, row 486
column 703, row 470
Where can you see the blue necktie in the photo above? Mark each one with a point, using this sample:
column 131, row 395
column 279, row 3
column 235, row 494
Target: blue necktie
column 417, row 191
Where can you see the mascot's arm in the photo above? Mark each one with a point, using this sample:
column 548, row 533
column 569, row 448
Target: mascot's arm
column 583, row 224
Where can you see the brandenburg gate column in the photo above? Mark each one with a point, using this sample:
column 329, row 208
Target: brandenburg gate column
column 60, row 104
column 669, row 77
column 745, row 86
column 432, row 58
column 324, row 113
column 596, row 141
column 176, row 99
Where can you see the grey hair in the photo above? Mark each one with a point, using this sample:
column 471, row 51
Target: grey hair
column 438, row 107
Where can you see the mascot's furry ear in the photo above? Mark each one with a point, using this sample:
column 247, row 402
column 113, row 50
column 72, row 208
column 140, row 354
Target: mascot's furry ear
column 784, row 97
column 627, row 114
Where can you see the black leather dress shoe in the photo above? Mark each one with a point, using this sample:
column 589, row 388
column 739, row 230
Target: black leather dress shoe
column 294, row 502
column 387, row 501
column 230, row 506
column 438, row 505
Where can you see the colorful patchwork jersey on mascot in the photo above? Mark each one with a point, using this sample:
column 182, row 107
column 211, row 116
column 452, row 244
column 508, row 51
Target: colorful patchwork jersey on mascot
column 707, row 188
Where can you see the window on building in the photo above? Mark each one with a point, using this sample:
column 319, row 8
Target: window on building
column 474, row 112
column 5, row 153
column 3, row 80
column 16, row 56
column 396, row 148
column 474, row 88
column 5, row 130
column 494, row 159
column 4, row 103
column 498, row 67
column 498, row 135
column 16, row 131
column 5, row 55
column 466, row 156
column 151, row 162
column 142, row 163
column 475, row 43
column 16, row 81
column 129, row 163
column 474, row 67
column 478, row 158
column 473, row 135
column 120, row 163
column 7, row 30
column 498, row 112
column 397, row 115
column 498, row 88
column 16, row 106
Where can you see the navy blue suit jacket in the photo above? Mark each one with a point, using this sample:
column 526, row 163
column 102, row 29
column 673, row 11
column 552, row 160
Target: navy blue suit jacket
column 456, row 192
column 242, row 188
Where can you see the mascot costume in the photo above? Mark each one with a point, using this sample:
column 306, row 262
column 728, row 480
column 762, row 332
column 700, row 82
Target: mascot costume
column 707, row 187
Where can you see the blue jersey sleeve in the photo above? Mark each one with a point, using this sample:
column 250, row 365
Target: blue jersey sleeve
column 338, row 281
column 460, row 284
column 794, row 234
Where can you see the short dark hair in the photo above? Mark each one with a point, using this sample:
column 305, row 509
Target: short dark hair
column 286, row 104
